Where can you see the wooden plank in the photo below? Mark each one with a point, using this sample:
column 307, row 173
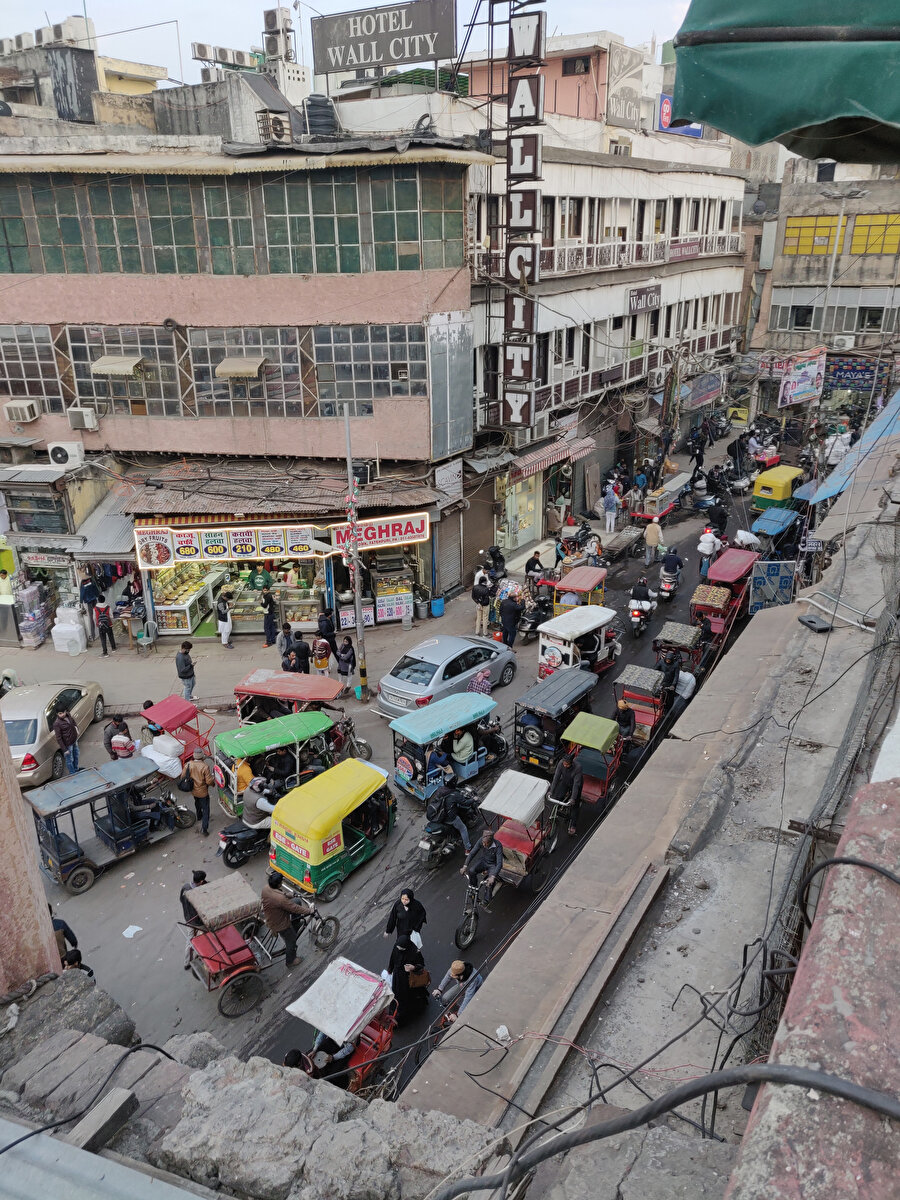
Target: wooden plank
column 104, row 1120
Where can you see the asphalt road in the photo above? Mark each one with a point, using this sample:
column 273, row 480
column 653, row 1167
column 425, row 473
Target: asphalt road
column 143, row 968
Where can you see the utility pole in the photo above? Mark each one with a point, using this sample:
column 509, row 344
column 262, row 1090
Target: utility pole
column 355, row 565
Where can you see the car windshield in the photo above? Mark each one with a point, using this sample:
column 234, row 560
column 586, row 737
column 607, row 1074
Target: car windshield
column 21, row 733
column 414, row 670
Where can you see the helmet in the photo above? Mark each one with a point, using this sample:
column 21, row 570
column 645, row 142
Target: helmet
column 643, row 580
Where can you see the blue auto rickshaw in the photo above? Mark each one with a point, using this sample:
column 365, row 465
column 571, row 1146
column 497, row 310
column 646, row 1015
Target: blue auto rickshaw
column 777, row 529
column 420, row 733
column 88, row 821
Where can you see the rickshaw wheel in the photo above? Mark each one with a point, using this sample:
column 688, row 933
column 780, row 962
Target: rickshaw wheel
column 330, row 891
column 466, row 930
column 80, row 880
column 250, row 929
column 553, row 841
column 326, row 933
column 240, row 994
column 184, row 820
column 539, row 876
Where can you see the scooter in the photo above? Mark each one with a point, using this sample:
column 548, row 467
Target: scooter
column 242, row 839
column 640, row 612
column 494, row 563
column 668, row 585
column 442, row 840
column 536, row 613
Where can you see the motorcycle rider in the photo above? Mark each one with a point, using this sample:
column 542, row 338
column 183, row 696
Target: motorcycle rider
column 484, row 859
column 708, row 548
column 641, row 591
column 566, row 786
column 670, row 667
column 672, row 564
column 443, row 809
column 718, row 517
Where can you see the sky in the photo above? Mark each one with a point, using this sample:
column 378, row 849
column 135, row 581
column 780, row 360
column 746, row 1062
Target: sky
column 239, row 25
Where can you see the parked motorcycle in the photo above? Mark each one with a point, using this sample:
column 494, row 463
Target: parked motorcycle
column 536, row 613
column 582, row 540
column 242, row 839
column 346, row 744
column 442, row 840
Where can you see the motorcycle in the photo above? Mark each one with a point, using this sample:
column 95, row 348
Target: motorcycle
column 442, row 840
column 536, row 613
column 738, row 481
column 668, row 585
column 240, row 840
column 487, row 734
column 581, row 540
column 640, row 612
column 346, row 744
column 721, row 424
column 494, row 563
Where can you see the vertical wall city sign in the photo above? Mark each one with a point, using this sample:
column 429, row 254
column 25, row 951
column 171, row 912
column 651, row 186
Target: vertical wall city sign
column 522, row 212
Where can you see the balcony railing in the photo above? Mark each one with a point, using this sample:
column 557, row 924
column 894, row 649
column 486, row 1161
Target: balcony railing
column 611, row 256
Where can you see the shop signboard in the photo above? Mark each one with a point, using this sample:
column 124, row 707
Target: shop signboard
column 390, row 36
column 803, row 382
column 385, row 531
column 448, row 477
column 853, row 373
column 242, row 543
column 664, row 120
column 187, row 545
column 703, row 390
column 214, row 545
column 271, row 542
column 394, row 607
column 347, row 616
column 624, row 86
column 644, row 299
column 687, row 248
column 299, row 540
column 37, row 559
column 154, row 548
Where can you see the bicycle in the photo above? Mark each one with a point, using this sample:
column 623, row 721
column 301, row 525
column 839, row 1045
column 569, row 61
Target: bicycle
column 323, row 932
column 479, row 894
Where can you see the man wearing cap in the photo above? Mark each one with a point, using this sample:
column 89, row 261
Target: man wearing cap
column 464, row 975
column 202, row 780
column 198, row 879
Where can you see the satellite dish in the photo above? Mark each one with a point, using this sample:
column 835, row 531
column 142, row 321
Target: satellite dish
column 759, row 207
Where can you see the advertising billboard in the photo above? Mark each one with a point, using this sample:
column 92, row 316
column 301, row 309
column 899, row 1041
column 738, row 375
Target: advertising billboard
column 664, row 120
column 803, row 381
column 623, row 91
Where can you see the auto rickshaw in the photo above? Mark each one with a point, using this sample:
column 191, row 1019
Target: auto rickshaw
column 563, row 640
column 420, row 733
column 686, row 640
column 243, row 753
column 324, row 829
column 184, row 721
column 777, row 528
column 775, row 488
column 599, row 753
column 544, row 711
column 586, row 584
column 266, row 694
column 642, row 689
column 87, row 821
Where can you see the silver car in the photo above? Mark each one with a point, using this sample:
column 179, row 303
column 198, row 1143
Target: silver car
column 442, row 666
column 28, row 714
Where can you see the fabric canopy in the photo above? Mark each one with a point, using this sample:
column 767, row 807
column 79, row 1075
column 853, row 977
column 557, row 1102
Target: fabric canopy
column 240, row 367
column 801, row 75
column 116, row 364
column 886, row 426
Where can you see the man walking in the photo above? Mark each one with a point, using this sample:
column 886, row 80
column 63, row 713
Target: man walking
column 269, row 606
column 284, row 643
column 481, row 598
column 510, row 611
column 652, row 539
column 223, row 618
column 277, row 913
column 66, row 732
column 104, row 625
column 610, row 508
column 87, row 594
column 202, row 780
column 566, row 786
column 198, row 879
column 184, row 668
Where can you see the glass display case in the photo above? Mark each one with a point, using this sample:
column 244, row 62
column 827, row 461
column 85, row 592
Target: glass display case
column 183, row 596
column 246, row 615
column 300, row 606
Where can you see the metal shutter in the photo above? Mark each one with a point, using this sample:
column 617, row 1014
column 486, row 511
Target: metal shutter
column 449, row 573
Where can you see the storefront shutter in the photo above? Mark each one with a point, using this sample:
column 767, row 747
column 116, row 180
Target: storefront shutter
column 450, row 553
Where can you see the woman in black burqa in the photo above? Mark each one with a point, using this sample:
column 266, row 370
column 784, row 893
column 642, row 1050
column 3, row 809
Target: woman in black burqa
column 407, row 916
column 406, row 960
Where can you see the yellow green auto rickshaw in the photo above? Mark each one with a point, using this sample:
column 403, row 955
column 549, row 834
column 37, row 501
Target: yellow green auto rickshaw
column 324, row 829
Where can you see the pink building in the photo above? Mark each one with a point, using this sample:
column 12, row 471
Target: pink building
column 575, row 75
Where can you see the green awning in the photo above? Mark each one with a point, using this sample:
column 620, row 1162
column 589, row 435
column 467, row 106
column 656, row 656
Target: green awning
column 764, row 71
column 597, row 733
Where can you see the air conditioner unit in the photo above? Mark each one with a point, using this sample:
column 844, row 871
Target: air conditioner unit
column 83, row 418
column 276, row 18
column 21, row 412
column 43, row 36
column 274, row 126
column 521, row 437
column 7, row 46
column 66, row 454
column 541, row 427
column 211, row 74
column 242, row 58
column 223, row 54
column 24, row 41
column 657, row 377
column 203, row 51
column 274, row 45
column 843, row 343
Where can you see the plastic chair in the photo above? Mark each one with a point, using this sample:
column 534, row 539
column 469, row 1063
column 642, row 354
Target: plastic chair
column 146, row 640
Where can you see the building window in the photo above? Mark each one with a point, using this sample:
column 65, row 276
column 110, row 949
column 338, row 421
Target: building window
column 694, row 217
column 659, row 218
column 654, row 323
column 618, row 322
column 676, row 216
column 542, row 358
column 585, row 347
column 395, row 219
column 285, row 386
column 111, row 202
column 548, row 209
column 876, row 233
column 171, row 227
column 571, row 212
column 442, row 217
column 59, row 228
column 668, row 326
column 801, row 316
column 570, row 344
column 357, row 363
column 14, row 257
column 812, row 235
column 28, row 366
column 868, row 320
column 825, row 172
column 153, row 391
column 36, row 512
column 577, row 66
column 490, row 372
column 493, row 221
column 230, row 229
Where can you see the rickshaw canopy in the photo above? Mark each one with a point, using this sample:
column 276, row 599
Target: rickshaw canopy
column 676, row 633
column 578, row 621
column 776, row 482
column 287, row 685
column 442, row 717
column 582, row 579
column 225, row 901
column 558, row 692
column 596, row 733
column 91, row 784
column 643, row 679
column 775, row 521
column 342, row 1001
column 517, row 797
column 269, row 735
column 731, row 566
column 315, row 809
column 171, row 713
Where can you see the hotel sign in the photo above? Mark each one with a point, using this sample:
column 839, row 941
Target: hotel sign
column 423, row 31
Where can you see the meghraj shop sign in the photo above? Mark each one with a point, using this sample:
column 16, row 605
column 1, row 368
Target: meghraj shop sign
column 387, row 531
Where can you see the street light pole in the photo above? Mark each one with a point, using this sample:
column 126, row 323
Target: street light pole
column 355, row 564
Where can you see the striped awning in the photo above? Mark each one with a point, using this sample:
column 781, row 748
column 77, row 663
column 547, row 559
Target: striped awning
column 116, row 364
column 240, row 367
column 546, row 456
